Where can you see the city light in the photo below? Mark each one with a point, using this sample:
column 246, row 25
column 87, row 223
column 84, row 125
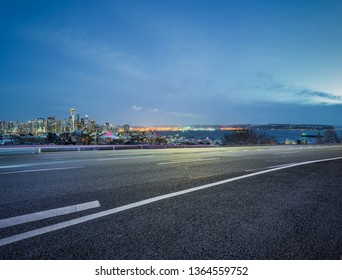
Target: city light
column 80, row 129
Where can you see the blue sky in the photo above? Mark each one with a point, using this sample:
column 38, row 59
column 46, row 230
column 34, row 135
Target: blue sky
column 172, row 62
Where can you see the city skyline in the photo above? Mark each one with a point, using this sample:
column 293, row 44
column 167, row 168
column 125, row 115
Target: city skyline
column 172, row 62
column 75, row 120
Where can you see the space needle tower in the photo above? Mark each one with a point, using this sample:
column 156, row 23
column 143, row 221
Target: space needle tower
column 72, row 112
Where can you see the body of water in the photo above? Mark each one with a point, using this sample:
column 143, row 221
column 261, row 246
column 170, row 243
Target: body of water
column 280, row 134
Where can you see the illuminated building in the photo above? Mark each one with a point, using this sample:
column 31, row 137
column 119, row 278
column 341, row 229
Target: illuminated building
column 40, row 125
column 126, row 128
column 63, row 125
column 51, row 123
column 32, row 126
column 78, row 124
column 93, row 125
column 72, row 112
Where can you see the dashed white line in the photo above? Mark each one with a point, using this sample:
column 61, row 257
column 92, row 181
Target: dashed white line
column 187, row 160
column 284, row 153
column 123, row 158
column 41, row 170
column 40, row 163
column 115, row 154
column 18, row 220
column 40, row 231
column 14, row 166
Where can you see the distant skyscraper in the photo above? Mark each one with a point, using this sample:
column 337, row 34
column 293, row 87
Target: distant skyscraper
column 40, row 125
column 72, row 112
column 77, row 124
column 63, row 125
column 51, row 123
column 126, row 128
column 32, row 126
column 93, row 125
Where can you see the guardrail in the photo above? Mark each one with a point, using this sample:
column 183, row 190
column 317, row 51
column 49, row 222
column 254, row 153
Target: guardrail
column 79, row 148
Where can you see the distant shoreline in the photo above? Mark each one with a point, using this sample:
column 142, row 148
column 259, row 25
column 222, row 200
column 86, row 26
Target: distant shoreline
column 175, row 128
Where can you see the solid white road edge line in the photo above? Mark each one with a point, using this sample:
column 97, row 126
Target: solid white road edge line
column 40, row 231
column 267, row 167
column 18, row 220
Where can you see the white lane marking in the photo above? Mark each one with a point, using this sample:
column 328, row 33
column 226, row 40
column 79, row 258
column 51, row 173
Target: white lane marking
column 211, row 152
column 14, row 166
column 123, row 158
column 41, row 170
column 18, row 220
column 43, row 230
column 187, row 160
column 284, row 153
column 115, row 153
column 40, row 163
column 337, row 149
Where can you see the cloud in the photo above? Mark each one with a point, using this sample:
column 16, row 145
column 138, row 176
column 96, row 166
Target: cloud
column 320, row 97
column 81, row 44
column 188, row 115
column 156, row 110
column 136, row 108
column 175, row 113
column 269, row 89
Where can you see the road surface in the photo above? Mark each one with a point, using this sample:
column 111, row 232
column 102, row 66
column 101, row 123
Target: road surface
column 262, row 202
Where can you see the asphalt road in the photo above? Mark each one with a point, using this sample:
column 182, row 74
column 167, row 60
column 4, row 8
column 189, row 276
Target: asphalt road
column 269, row 202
